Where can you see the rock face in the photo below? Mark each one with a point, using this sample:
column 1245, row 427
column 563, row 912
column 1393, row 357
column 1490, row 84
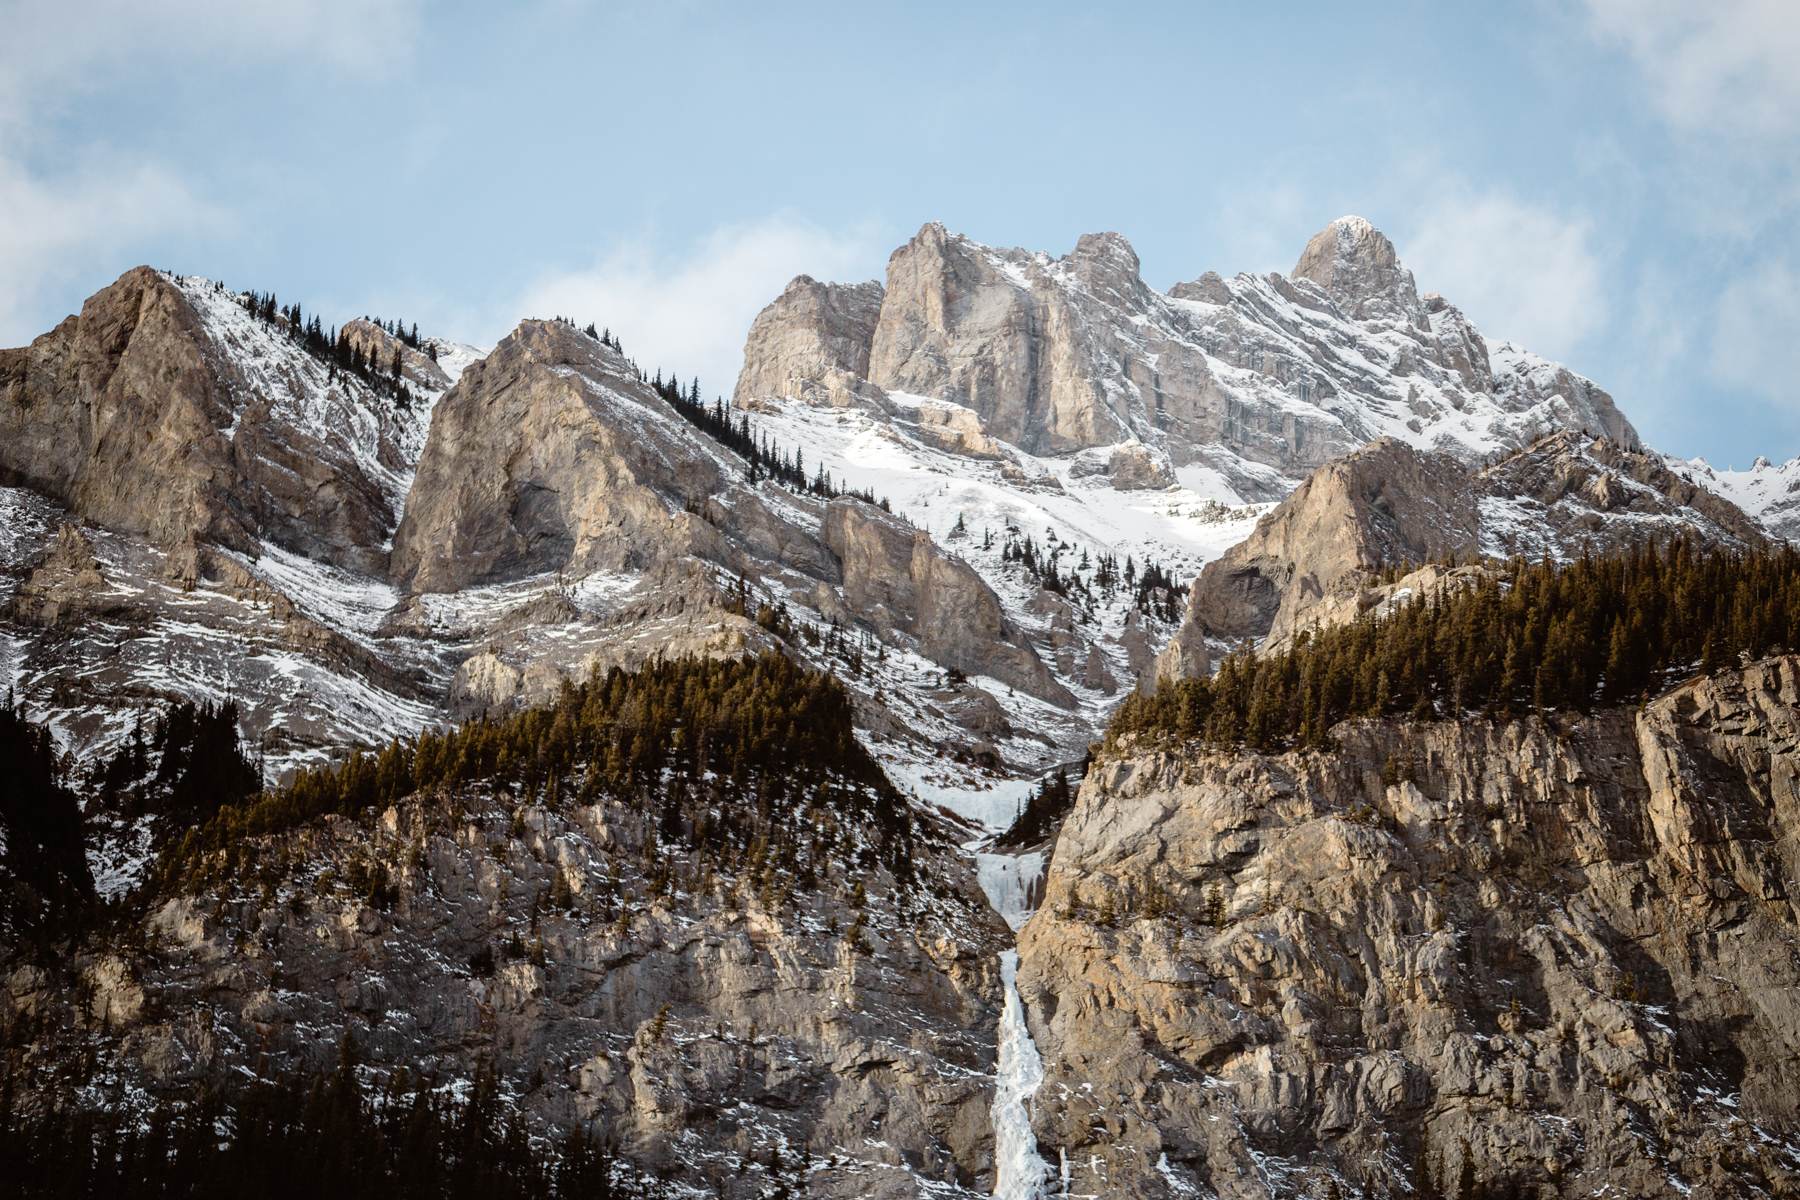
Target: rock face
column 955, row 324
column 1259, row 379
column 1386, row 504
column 896, row 576
column 1316, row 556
column 1544, row 958
column 813, row 342
column 164, row 409
column 537, row 461
column 1359, row 269
column 697, row 1029
column 117, row 413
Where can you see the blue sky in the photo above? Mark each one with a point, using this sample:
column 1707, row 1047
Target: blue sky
column 1614, row 183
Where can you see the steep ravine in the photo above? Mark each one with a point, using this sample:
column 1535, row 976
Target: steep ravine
column 1543, row 956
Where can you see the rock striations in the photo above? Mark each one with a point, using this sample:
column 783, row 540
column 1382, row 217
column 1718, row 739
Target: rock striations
column 1517, row 957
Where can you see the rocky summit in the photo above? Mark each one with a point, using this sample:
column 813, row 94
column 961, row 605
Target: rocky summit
column 1040, row 736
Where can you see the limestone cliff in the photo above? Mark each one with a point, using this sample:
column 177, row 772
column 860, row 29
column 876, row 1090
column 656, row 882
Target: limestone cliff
column 1532, row 957
column 1257, row 380
column 896, row 576
column 812, row 342
column 1387, row 504
column 164, row 409
column 539, row 460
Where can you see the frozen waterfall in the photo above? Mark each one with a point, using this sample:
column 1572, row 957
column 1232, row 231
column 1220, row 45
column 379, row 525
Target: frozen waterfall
column 1019, row 1170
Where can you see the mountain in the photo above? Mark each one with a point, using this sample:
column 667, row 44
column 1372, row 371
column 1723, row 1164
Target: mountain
column 1239, row 388
column 166, row 409
column 563, row 514
column 1768, row 491
column 520, row 739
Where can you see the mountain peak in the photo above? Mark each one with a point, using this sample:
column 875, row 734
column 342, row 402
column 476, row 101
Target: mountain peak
column 1106, row 247
column 1359, row 268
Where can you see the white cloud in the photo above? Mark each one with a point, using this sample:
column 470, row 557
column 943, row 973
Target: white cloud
column 688, row 310
column 54, row 50
column 1718, row 67
column 63, row 228
column 1521, row 272
column 69, row 210
column 1754, row 344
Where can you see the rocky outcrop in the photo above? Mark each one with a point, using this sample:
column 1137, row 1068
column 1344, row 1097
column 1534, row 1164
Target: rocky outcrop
column 540, row 459
column 1383, row 506
column 896, row 577
column 1330, row 552
column 1569, row 495
column 118, row 414
column 1187, row 656
column 67, row 585
column 1360, row 270
column 1208, row 289
column 379, row 347
column 1513, row 956
column 164, row 409
column 1134, row 468
column 812, row 343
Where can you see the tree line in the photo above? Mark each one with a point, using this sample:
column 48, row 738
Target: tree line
column 1529, row 638
column 765, row 458
column 334, row 348
column 748, row 762
column 179, row 771
column 303, row 1136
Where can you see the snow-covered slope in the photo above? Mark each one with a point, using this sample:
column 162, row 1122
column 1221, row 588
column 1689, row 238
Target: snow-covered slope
column 1768, row 491
column 288, row 394
column 1094, row 634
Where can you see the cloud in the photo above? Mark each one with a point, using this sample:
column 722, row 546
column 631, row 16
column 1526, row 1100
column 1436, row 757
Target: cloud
column 1754, row 345
column 60, row 229
column 71, row 207
column 53, row 51
column 688, row 310
column 1522, row 272
column 1722, row 67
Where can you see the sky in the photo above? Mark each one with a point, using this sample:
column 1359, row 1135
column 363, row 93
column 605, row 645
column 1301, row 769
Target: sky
column 1612, row 183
